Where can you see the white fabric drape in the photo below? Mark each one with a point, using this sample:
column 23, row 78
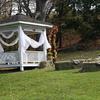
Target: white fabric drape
column 46, row 43
column 8, row 36
column 9, row 44
column 26, row 41
column 1, row 48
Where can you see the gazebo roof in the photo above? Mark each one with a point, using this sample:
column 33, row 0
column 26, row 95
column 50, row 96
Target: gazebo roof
column 23, row 19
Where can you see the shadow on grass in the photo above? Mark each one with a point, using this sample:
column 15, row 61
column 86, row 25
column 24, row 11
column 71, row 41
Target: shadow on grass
column 8, row 70
column 13, row 70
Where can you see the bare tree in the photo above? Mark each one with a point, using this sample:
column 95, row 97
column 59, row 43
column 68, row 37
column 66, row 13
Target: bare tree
column 24, row 6
column 38, row 9
column 5, row 8
column 43, row 8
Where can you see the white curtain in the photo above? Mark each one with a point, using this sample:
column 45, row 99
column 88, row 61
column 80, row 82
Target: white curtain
column 26, row 41
column 9, row 44
column 7, row 36
column 1, row 48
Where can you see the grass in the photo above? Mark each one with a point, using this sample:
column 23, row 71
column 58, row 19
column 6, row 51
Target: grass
column 41, row 84
column 78, row 55
column 50, row 85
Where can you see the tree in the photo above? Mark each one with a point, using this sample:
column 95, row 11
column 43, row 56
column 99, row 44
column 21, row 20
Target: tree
column 90, row 23
column 43, row 7
column 65, row 18
column 5, row 8
column 38, row 9
column 82, row 16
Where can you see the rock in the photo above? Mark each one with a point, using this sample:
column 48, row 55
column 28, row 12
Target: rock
column 64, row 65
column 47, row 65
column 89, row 67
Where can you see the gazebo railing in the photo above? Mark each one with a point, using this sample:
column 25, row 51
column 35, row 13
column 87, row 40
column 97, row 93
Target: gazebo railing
column 13, row 58
column 9, row 58
column 33, row 57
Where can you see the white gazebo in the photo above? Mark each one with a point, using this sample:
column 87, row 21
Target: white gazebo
column 30, row 39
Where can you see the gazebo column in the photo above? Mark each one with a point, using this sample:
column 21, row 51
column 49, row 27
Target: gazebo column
column 43, row 31
column 44, row 47
column 20, row 49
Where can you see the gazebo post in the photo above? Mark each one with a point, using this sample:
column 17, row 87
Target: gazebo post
column 20, row 49
column 44, row 48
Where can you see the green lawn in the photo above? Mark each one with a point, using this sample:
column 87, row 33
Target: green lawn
column 50, row 85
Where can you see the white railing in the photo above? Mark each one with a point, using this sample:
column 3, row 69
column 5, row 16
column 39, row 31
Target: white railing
column 33, row 56
column 9, row 58
column 29, row 57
